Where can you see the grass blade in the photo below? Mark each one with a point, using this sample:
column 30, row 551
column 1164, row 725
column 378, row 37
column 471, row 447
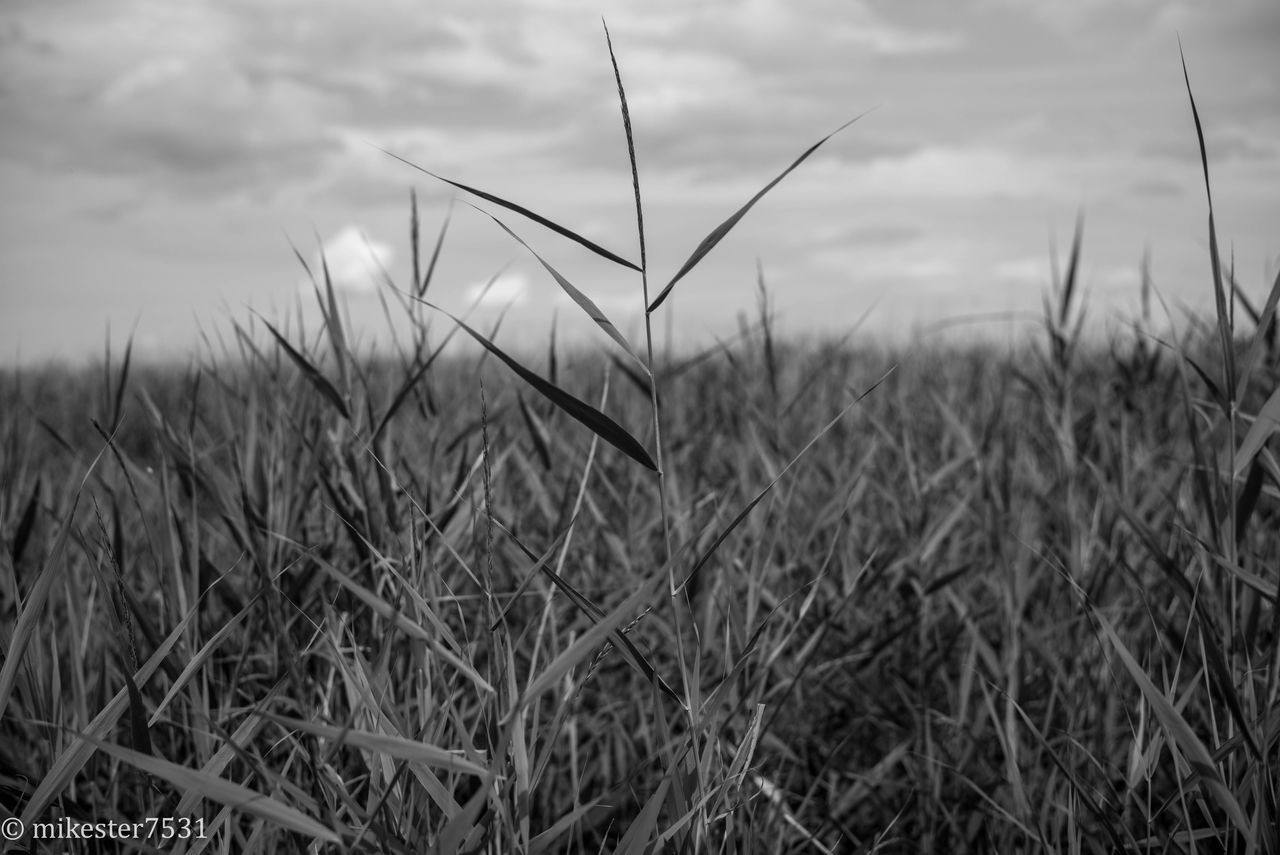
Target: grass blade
column 600, row 424
column 631, row 150
column 407, row 750
column 1219, row 291
column 435, row 253
column 584, row 302
column 1072, row 274
column 644, row 826
column 333, row 325
column 522, row 211
column 719, row 232
column 312, row 373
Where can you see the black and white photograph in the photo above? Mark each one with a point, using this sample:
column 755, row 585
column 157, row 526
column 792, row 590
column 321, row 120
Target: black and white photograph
column 719, row 426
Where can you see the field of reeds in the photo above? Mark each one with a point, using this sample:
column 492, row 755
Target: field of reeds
column 771, row 597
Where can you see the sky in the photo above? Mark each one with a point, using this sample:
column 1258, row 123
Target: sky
column 161, row 161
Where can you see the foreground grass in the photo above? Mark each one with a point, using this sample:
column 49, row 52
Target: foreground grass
column 912, row 643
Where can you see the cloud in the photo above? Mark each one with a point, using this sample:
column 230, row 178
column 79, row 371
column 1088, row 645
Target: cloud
column 506, row 289
column 356, row 263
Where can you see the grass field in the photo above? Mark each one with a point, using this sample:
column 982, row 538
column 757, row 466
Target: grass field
column 774, row 597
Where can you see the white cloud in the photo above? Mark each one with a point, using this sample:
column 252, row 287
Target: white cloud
column 356, row 263
column 507, row 289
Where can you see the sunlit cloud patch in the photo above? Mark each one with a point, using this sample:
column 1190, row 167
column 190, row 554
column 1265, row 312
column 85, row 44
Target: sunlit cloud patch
column 507, row 289
column 357, row 264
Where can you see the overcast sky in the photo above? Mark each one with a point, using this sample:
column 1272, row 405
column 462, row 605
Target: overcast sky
column 157, row 157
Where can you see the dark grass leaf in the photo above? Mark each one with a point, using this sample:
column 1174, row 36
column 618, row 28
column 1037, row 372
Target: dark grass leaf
column 306, row 267
column 1219, row 291
column 1072, row 274
column 521, row 210
column 553, row 364
column 631, row 147
column 312, row 373
column 425, row 282
column 719, row 232
column 600, row 424
column 1214, row 391
column 139, row 734
column 333, row 325
column 584, row 302
column 117, row 409
column 413, row 238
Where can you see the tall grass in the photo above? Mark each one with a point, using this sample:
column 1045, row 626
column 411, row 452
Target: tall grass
column 735, row 602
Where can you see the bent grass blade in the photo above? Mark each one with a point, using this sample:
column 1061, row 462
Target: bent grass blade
column 584, row 302
column 522, row 211
column 600, row 424
column 312, row 373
